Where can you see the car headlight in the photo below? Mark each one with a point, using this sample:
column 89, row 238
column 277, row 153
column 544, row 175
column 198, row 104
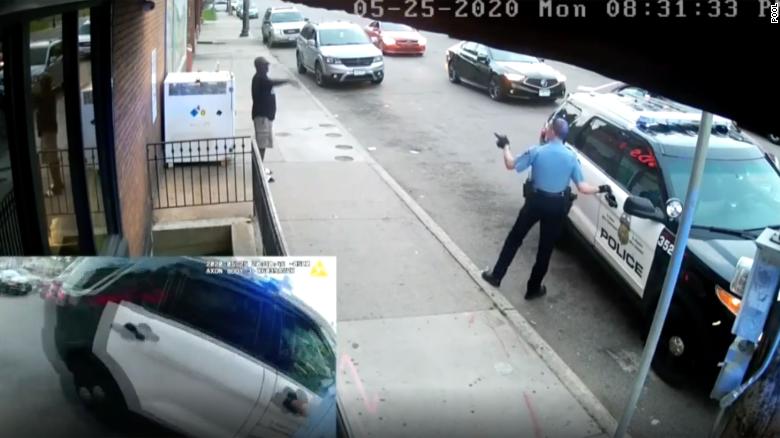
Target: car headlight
column 278, row 31
column 388, row 40
column 561, row 78
column 514, row 77
column 329, row 60
column 377, row 59
column 731, row 301
column 422, row 41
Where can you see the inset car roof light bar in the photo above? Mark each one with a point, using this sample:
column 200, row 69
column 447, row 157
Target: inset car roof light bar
column 672, row 272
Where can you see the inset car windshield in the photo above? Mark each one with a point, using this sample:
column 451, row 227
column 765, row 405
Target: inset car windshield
column 504, row 56
column 340, row 37
column 286, row 17
column 734, row 194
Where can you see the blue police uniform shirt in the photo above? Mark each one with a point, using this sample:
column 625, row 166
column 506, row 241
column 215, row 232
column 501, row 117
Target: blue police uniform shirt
column 553, row 165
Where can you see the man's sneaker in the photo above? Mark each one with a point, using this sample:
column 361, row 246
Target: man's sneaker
column 488, row 276
column 530, row 295
column 268, row 171
column 270, row 179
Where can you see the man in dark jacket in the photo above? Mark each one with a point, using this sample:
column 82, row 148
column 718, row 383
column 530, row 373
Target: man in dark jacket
column 264, row 105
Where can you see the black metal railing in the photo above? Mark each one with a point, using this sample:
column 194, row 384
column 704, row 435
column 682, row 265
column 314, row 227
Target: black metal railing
column 10, row 235
column 200, row 172
column 55, row 178
column 265, row 211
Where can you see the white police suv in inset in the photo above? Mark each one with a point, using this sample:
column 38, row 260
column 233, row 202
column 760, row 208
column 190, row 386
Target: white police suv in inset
column 642, row 146
column 205, row 355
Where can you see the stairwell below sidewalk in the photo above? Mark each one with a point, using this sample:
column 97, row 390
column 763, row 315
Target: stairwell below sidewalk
column 214, row 230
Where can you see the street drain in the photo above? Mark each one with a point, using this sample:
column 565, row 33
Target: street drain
column 282, row 134
column 343, row 158
column 327, row 125
column 333, row 134
column 343, row 146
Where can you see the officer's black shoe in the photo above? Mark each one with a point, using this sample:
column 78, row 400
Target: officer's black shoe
column 493, row 281
column 530, row 295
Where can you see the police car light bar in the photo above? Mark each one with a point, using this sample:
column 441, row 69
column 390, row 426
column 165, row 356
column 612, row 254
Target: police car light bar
column 647, row 120
column 601, row 88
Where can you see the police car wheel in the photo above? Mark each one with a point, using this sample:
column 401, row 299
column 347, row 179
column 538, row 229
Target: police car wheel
column 678, row 346
column 98, row 391
column 774, row 138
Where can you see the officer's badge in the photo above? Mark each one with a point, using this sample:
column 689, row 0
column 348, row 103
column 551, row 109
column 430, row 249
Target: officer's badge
column 625, row 229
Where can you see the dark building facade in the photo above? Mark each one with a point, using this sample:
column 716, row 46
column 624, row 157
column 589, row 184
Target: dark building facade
column 80, row 98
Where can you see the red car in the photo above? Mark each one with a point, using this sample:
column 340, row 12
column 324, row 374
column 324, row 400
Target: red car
column 394, row 38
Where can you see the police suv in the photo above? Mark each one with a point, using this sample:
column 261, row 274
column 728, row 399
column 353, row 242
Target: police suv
column 643, row 147
column 203, row 354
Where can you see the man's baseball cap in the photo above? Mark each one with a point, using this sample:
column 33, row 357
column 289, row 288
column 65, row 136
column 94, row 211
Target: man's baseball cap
column 560, row 127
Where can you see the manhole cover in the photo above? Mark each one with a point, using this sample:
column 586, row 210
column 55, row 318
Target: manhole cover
column 333, row 134
column 343, row 158
column 343, row 146
column 282, row 134
column 327, row 125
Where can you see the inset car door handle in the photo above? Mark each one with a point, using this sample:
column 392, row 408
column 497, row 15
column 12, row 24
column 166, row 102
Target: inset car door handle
column 134, row 330
column 611, row 201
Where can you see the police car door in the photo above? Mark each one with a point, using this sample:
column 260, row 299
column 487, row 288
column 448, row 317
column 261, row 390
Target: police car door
column 305, row 367
column 629, row 167
column 188, row 366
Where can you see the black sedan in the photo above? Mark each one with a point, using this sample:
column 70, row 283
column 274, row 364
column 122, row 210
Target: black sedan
column 504, row 74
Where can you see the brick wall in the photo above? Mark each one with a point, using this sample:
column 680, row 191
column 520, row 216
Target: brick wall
column 135, row 34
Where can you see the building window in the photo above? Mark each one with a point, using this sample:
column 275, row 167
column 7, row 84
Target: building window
column 176, row 34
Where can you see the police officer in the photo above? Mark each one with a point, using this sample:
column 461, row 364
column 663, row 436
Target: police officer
column 548, row 198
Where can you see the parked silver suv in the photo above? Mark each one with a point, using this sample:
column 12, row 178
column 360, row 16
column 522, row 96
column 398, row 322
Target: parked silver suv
column 282, row 25
column 338, row 52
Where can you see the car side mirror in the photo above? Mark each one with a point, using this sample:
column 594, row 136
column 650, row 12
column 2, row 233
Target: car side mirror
column 541, row 59
column 643, row 208
column 306, row 19
column 482, row 58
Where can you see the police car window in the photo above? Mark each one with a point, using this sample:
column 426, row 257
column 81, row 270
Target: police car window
column 88, row 272
column 638, row 170
column 141, row 285
column 217, row 310
column 481, row 50
column 304, row 355
column 600, row 142
column 569, row 113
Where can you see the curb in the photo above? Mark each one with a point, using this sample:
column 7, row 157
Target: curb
column 566, row 375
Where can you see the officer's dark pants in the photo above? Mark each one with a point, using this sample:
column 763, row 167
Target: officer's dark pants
column 550, row 212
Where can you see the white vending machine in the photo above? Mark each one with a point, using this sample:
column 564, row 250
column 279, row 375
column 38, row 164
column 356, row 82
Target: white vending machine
column 199, row 115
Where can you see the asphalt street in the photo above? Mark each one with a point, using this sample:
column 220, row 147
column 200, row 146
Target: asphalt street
column 436, row 139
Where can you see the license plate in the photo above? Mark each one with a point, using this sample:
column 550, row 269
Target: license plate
column 544, row 93
column 359, row 72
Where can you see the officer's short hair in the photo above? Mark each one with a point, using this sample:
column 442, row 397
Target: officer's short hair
column 560, row 127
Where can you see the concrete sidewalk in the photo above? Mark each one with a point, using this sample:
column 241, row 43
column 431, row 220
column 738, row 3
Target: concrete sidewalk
column 426, row 347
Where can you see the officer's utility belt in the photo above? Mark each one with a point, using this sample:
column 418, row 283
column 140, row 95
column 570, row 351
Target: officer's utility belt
column 530, row 192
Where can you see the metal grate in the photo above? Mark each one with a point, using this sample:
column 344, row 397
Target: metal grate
column 357, row 62
column 54, row 166
column 200, row 172
column 542, row 82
